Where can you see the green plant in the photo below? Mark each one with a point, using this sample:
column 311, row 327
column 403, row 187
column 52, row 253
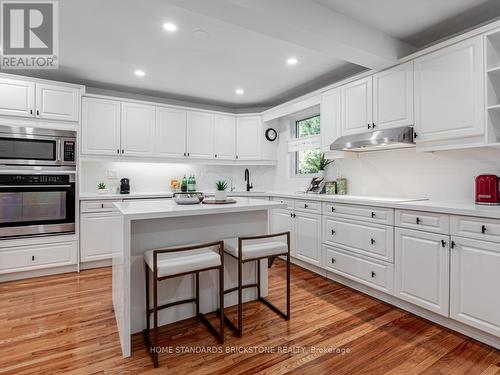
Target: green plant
column 221, row 185
column 101, row 186
column 322, row 162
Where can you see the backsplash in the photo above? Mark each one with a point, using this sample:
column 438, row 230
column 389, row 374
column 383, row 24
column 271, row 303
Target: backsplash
column 155, row 177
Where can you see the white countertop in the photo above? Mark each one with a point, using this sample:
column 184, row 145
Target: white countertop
column 454, row 208
column 163, row 208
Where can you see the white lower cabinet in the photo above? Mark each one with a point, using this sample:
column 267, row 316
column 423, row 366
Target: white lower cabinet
column 305, row 233
column 474, row 284
column 308, row 237
column 95, row 236
column 32, row 257
column 422, row 269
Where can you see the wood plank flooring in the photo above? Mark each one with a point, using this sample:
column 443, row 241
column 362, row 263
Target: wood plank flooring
column 65, row 324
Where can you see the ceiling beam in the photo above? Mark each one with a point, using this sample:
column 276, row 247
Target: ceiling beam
column 308, row 24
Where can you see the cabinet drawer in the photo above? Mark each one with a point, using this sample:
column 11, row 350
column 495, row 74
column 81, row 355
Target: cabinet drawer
column 375, row 274
column 308, row 206
column 290, row 203
column 473, row 227
column 98, row 206
column 372, row 240
column 371, row 214
column 427, row 221
column 37, row 256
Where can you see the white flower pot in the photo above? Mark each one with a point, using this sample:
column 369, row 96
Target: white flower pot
column 102, row 191
column 220, row 195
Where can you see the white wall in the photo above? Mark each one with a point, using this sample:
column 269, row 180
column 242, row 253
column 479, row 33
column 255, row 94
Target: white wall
column 155, row 177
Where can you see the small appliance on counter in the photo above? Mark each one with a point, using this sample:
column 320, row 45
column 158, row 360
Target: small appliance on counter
column 487, row 190
column 124, row 186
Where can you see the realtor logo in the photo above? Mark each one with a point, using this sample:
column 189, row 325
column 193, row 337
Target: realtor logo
column 29, row 34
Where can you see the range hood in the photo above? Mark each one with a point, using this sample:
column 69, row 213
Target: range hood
column 384, row 139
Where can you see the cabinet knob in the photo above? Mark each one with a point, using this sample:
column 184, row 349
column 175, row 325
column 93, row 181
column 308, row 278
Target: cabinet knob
column 305, row 205
column 443, row 243
column 291, row 215
column 373, row 125
column 369, row 126
column 102, row 205
column 483, row 229
column 373, row 214
column 215, row 156
column 333, row 260
column 373, row 274
column 32, row 258
column 372, row 241
column 333, row 232
column 333, row 209
column 188, row 154
column 236, row 156
column 37, row 112
column 31, row 111
column 415, row 135
column 294, row 215
column 118, row 151
column 452, row 244
column 123, row 151
column 418, row 220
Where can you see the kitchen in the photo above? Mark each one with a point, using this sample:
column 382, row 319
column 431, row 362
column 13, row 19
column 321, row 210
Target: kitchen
column 317, row 187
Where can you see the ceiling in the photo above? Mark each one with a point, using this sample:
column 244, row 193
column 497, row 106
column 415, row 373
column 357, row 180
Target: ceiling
column 222, row 45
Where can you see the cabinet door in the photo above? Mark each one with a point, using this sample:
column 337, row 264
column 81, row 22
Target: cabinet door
column 422, row 273
column 282, row 221
column 308, row 238
column 356, row 98
column 225, row 137
column 449, row 92
column 248, row 138
column 200, row 135
column 330, row 118
column 57, row 102
column 100, row 126
column 171, row 129
column 138, row 129
column 393, row 97
column 17, row 97
column 96, row 236
column 475, row 278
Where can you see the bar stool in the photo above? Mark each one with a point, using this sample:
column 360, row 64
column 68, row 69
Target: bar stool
column 254, row 252
column 179, row 261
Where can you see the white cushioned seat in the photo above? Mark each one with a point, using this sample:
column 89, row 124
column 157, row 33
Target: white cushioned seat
column 184, row 261
column 256, row 249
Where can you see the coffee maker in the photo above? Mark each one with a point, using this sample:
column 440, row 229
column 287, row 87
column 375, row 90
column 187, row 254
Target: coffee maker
column 124, row 186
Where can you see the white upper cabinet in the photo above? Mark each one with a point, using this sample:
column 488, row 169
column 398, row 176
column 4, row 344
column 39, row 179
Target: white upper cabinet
column 330, row 118
column 356, row 99
column 200, row 135
column 57, row 102
column 225, row 137
column 393, row 97
column 138, row 129
column 171, row 129
column 100, row 126
column 248, row 138
column 17, row 97
column 422, row 269
column 449, row 92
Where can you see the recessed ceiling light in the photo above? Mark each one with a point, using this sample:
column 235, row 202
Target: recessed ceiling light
column 169, row 26
column 292, row 61
column 239, row 91
column 139, row 73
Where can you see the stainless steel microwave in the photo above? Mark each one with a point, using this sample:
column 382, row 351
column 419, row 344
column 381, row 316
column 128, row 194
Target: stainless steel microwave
column 43, row 147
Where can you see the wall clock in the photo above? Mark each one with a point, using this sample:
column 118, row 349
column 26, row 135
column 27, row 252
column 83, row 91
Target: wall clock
column 271, row 134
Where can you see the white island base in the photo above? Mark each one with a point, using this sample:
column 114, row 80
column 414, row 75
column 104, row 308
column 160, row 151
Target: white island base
column 155, row 224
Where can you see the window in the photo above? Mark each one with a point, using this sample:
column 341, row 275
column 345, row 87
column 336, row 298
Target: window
column 306, row 160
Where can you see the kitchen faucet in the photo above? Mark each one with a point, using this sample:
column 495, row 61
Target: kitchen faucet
column 247, row 179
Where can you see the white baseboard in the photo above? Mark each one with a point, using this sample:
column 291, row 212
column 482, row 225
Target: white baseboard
column 96, row 264
column 38, row 273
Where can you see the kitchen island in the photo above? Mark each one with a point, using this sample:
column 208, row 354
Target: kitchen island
column 153, row 224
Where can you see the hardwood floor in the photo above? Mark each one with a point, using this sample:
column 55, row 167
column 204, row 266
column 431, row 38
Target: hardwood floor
column 65, row 324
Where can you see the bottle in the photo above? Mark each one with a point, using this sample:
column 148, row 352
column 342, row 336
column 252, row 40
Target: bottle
column 191, row 183
column 184, row 184
column 194, row 183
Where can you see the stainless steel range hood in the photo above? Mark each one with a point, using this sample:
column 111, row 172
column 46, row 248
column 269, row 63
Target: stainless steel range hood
column 384, row 139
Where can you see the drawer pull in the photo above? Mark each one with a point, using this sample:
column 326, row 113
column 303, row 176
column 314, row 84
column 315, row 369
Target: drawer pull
column 333, row 232
column 305, row 205
column 373, row 274
column 102, row 205
column 372, row 241
column 483, row 229
column 333, row 260
column 32, row 258
column 443, row 243
column 333, row 209
column 452, row 244
column 291, row 215
column 373, row 215
column 418, row 220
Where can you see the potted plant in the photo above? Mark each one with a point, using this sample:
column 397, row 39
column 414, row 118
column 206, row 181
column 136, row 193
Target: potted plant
column 101, row 188
column 322, row 163
column 220, row 193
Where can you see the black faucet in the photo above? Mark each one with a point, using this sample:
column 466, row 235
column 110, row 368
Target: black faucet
column 247, row 179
